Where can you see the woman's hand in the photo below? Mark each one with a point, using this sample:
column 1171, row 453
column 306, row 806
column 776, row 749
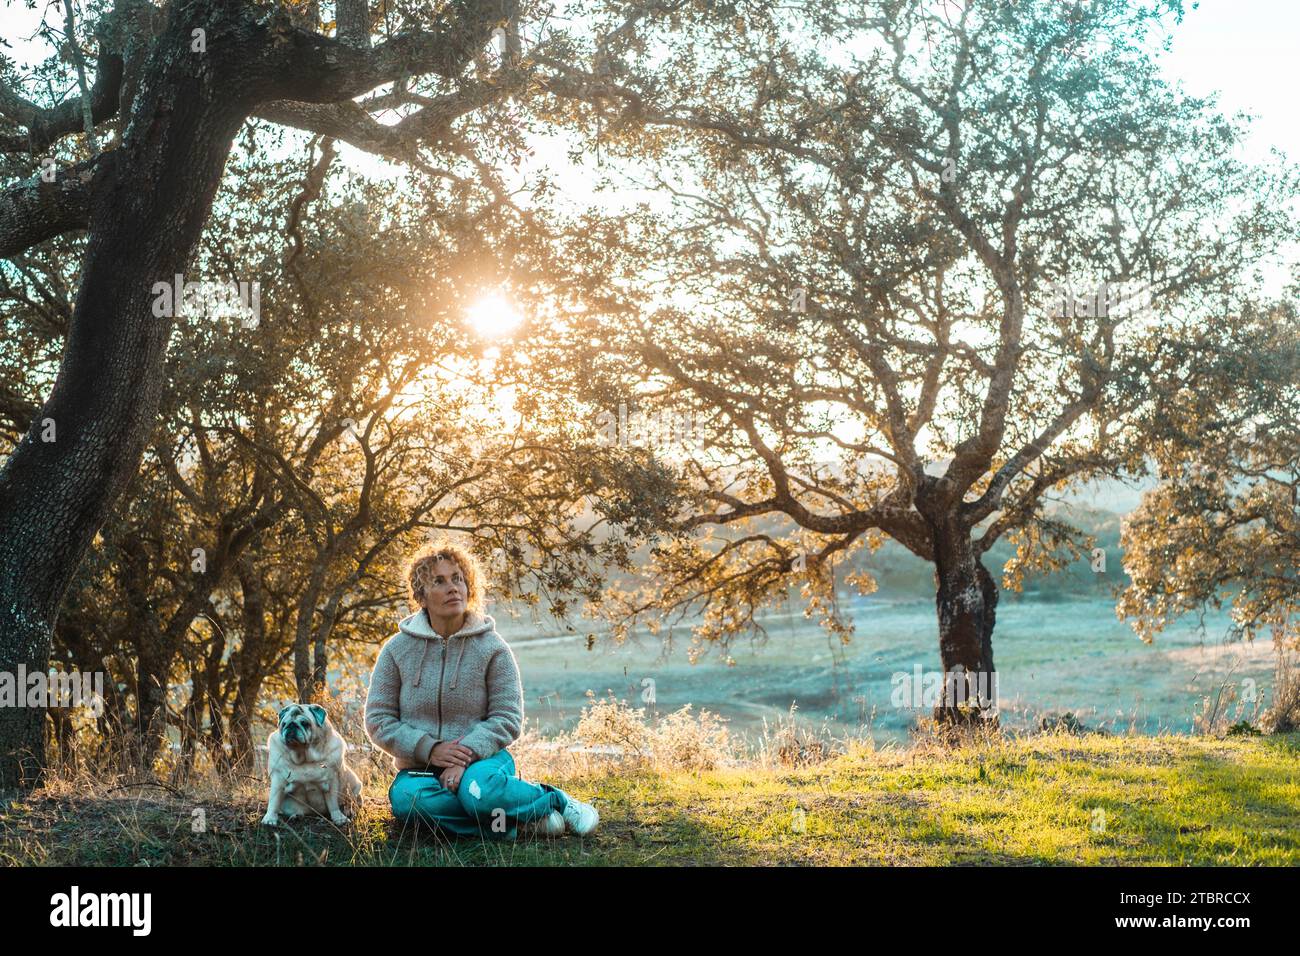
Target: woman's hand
column 451, row 754
column 451, row 777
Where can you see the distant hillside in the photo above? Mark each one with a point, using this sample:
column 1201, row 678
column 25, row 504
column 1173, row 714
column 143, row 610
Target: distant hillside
column 901, row 574
column 1097, row 510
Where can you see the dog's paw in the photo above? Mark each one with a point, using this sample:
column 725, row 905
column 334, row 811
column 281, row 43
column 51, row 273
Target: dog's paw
column 339, row 818
column 271, row 820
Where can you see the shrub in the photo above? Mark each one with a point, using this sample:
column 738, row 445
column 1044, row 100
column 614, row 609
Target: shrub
column 681, row 740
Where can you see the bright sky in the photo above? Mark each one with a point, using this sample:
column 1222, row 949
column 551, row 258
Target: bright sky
column 1248, row 51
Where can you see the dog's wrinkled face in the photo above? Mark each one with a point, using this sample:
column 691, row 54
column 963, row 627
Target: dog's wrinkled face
column 300, row 722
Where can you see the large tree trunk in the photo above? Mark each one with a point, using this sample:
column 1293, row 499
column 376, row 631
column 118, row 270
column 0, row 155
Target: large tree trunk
column 156, row 194
column 966, row 601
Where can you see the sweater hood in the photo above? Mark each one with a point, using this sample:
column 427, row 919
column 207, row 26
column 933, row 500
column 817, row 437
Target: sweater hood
column 417, row 625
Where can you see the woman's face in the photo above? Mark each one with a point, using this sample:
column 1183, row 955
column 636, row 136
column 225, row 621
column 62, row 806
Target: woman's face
column 446, row 594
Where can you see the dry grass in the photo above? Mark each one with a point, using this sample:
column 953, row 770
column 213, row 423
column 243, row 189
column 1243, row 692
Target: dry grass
column 1283, row 714
column 682, row 792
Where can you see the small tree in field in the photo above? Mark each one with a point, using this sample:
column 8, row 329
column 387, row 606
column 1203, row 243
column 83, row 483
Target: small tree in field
column 910, row 268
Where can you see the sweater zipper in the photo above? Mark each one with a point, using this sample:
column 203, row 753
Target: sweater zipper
column 442, row 670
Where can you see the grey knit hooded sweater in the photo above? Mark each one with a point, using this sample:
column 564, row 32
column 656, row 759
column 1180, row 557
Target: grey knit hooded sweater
column 426, row 689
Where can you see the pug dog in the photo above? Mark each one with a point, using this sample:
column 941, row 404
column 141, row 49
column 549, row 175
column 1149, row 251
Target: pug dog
column 309, row 774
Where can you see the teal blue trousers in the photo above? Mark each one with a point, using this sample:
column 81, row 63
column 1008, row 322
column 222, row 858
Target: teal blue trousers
column 490, row 801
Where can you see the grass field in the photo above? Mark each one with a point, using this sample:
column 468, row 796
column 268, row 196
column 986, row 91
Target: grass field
column 1051, row 799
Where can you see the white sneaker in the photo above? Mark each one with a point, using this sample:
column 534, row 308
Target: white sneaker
column 551, row 825
column 581, row 817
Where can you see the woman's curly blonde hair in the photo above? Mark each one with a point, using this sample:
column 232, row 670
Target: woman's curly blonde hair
column 419, row 573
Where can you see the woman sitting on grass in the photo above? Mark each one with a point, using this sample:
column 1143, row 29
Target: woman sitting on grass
column 446, row 700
